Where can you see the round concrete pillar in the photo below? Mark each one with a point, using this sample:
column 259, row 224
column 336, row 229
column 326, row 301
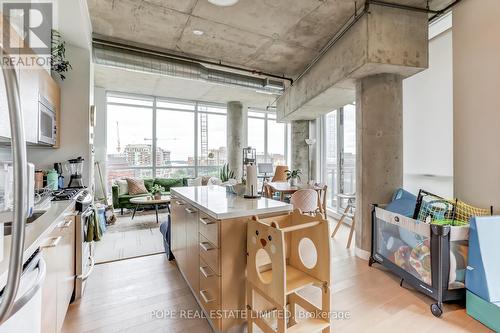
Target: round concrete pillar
column 379, row 160
column 299, row 148
column 236, row 137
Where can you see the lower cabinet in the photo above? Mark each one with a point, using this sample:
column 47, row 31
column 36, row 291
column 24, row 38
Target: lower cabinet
column 192, row 262
column 211, row 254
column 58, row 251
column 178, row 227
column 185, row 240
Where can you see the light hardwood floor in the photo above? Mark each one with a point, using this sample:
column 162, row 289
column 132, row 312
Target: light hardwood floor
column 125, row 241
column 122, row 296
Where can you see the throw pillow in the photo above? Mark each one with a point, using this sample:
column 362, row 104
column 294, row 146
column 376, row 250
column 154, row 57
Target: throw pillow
column 122, row 186
column 136, row 186
column 195, row 181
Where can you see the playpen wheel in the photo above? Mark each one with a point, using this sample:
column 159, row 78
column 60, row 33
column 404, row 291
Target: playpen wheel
column 436, row 310
column 371, row 261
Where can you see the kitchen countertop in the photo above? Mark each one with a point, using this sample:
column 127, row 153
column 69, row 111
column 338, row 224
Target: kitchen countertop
column 221, row 205
column 35, row 234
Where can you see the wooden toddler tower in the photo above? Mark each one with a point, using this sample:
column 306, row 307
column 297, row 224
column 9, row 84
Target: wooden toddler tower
column 277, row 268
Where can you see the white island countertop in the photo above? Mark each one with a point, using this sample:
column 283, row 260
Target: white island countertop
column 219, row 204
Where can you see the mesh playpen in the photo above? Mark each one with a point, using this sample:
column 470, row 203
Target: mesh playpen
column 428, row 250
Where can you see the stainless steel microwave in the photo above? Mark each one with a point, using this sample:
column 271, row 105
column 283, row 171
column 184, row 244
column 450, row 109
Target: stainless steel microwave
column 47, row 126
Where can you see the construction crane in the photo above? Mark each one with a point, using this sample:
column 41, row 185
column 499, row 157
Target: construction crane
column 118, row 145
column 204, row 137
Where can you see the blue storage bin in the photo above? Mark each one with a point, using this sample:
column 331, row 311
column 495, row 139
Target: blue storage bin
column 483, row 270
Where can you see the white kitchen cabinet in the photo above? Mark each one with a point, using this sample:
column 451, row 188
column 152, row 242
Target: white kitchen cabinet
column 28, row 82
column 28, row 88
column 59, row 255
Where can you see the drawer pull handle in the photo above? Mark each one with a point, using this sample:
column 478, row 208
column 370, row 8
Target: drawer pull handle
column 180, row 203
column 204, row 270
column 206, row 221
column 206, row 246
column 206, row 299
column 54, row 241
column 191, row 211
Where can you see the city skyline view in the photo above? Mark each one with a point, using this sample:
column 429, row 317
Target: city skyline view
column 130, row 138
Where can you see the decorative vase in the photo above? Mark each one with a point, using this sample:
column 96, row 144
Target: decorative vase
column 293, row 181
column 157, row 196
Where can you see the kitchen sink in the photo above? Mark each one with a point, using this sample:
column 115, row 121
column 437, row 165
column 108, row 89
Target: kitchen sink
column 7, row 227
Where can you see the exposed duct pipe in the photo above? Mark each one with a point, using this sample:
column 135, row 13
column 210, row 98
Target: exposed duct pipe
column 139, row 61
column 119, row 44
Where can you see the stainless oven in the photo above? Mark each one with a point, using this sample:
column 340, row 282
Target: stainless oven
column 47, row 126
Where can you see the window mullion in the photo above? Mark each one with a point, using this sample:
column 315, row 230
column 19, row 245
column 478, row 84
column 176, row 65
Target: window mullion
column 266, row 151
column 196, row 166
column 153, row 142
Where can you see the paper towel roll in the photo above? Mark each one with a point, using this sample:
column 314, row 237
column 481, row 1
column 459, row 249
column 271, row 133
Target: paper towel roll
column 252, row 189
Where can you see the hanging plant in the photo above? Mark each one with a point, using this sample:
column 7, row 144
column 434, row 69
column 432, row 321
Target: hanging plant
column 58, row 62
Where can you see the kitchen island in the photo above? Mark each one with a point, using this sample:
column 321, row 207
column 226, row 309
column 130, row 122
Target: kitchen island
column 208, row 236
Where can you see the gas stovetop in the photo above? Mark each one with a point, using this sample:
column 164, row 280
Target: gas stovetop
column 65, row 194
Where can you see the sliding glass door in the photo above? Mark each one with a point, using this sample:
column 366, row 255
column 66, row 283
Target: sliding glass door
column 338, row 154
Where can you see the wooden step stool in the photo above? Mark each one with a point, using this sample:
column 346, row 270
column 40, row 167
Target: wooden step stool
column 276, row 271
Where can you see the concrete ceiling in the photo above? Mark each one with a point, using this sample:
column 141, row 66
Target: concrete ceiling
column 116, row 79
column 275, row 36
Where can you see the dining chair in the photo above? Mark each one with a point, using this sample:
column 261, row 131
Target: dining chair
column 322, row 198
column 280, row 173
column 267, row 192
column 349, row 212
column 306, row 200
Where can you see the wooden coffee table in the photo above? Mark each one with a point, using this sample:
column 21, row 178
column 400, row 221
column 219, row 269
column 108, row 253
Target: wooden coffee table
column 150, row 201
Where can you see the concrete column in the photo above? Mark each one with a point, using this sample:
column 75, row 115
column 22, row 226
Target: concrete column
column 236, row 137
column 299, row 148
column 379, row 136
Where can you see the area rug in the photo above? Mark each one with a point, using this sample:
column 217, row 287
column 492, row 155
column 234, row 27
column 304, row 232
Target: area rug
column 129, row 238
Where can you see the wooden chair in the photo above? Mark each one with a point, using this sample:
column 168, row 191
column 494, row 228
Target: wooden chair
column 349, row 212
column 278, row 267
column 306, row 200
column 267, row 192
column 280, row 173
column 322, row 198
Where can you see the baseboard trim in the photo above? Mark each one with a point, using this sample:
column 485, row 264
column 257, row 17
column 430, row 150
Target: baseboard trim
column 362, row 254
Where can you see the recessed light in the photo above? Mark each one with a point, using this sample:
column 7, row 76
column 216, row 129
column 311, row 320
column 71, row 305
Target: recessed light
column 198, row 32
column 223, row 3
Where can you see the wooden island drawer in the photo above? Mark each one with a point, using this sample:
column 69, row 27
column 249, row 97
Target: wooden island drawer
column 209, row 294
column 209, row 228
column 209, row 253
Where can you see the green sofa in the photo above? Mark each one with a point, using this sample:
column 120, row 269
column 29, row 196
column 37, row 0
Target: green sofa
column 123, row 200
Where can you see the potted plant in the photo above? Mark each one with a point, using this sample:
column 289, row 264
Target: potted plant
column 225, row 173
column 292, row 176
column 156, row 190
column 58, row 61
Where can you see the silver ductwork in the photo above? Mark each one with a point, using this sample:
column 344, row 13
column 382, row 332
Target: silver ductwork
column 149, row 63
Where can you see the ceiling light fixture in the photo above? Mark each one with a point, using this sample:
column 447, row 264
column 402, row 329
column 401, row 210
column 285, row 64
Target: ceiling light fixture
column 198, row 32
column 223, row 3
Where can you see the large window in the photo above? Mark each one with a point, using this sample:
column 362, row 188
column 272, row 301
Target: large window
column 167, row 138
column 268, row 137
column 339, row 154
